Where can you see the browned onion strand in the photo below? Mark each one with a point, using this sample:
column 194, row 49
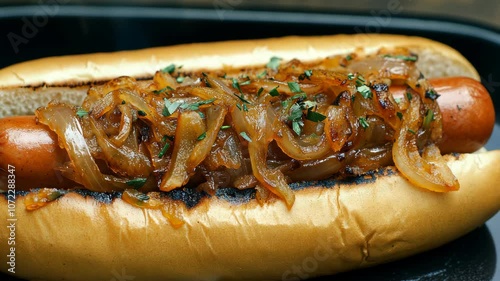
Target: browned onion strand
column 254, row 128
column 63, row 120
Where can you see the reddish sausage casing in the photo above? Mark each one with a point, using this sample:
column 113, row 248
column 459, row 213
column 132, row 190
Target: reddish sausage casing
column 31, row 149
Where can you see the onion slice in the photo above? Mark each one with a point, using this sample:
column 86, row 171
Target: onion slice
column 255, row 124
column 428, row 171
column 122, row 160
column 215, row 119
column 63, row 121
column 190, row 126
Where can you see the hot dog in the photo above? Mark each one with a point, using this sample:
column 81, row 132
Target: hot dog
column 460, row 99
column 366, row 214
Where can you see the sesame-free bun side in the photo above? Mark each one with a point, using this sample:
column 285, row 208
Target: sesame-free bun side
column 329, row 229
column 435, row 60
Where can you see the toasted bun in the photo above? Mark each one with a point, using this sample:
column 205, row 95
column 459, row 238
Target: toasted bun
column 333, row 226
column 46, row 79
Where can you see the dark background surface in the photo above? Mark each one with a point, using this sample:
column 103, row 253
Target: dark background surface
column 69, row 29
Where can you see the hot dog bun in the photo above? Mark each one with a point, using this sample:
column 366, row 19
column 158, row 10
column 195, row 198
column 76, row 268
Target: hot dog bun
column 333, row 226
column 27, row 86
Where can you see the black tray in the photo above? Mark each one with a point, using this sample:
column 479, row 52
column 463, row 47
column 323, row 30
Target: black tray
column 34, row 31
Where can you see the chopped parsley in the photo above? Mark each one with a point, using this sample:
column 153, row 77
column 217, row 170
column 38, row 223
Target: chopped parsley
column 365, row 91
column 245, row 83
column 141, row 113
column 314, row 116
column 429, row 117
column 169, row 69
column 236, row 85
column 274, row 63
column 348, row 57
column 360, row 81
column 142, row 197
column 351, row 76
column 409, row 96
column 245, row 136
column 225, row 127
column 202, row 136
column 168, row 88
column 260, row 91
column 364, row 124
column 262, row 74
column 81, row 112
column 296, row 118
column 180, row 79
column 170, row 107
column 431, row 94
column 412, row 132
column 137, row 183
column 307, row 74
column 164, row 150
column 196, row 105
column 405, row 58
column 294, row 87
column 274, row 92
column 400, row 115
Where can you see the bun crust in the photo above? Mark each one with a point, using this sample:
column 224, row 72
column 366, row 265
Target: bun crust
column 78, row 69
column 46, row 79
column 350, row 226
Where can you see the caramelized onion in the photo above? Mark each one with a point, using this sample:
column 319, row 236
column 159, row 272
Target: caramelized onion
column 254, row 123
column 63, row 121
column 421, row 171
column 121, row 160
column 297, row 122
column 190, row 127
column 215, row 119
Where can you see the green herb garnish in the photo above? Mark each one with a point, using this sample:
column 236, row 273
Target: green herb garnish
column 136, row 183
column 364, row 124
column 314, row 116
column 262, row 74
column 245, row 136
column 170, row 69
column 180, row 79
column 274, row 63
column 196, row 105
column 225, row 127
column 164, row 149
column 429, row 117
column 170, row 107
column 274, row 92
column 202, row 136
column 365, row 91
column 294, row 87
column 260, row 91
column 81, row 112
column 431, row 94
column 405, row 58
